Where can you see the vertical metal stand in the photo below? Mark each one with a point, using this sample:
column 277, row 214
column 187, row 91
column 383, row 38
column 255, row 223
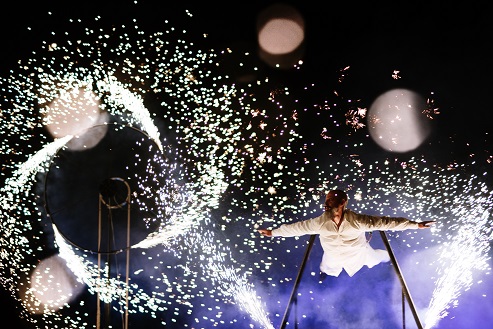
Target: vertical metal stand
column 297, row 283
column 405, row 290
column 110, row 237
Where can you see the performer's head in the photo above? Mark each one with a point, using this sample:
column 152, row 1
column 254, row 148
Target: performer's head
column 335, row 198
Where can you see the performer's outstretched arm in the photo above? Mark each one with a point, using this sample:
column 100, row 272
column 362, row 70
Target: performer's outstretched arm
column 426, row 223
column 265, row 232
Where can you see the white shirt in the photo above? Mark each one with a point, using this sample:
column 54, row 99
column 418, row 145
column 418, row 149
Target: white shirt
column 345, row 247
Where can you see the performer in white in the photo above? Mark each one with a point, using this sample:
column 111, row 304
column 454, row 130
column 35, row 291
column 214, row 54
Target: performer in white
column 342, row 235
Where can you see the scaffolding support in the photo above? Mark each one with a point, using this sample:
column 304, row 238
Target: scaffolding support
column 126, row 203
column 405, row 290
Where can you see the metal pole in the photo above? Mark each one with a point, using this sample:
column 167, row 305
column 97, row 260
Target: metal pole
column 403, row 310
column 111, row 234
column 107, row 305
column 127, row 267
column 98, row 306
column 401, row 278
column 297, row 282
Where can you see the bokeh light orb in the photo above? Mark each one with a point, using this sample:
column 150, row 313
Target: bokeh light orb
column 281, row 29
column 51, row 286
column 72, row 112
column 396, row 121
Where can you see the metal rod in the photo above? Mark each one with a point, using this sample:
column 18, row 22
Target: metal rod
column 111, row 236
column 127, row 267
column 107, row 305
column 405, row 290
column 98, row 306
column 297, row 282
column 403, row 310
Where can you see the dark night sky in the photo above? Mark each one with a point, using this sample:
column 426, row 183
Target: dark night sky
column 442, row 49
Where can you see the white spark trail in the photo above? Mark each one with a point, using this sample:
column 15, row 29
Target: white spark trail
column 457, row 271
column 227, row 152
column 20, row 179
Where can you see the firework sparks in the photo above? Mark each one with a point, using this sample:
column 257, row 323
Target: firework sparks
column 226, row 161
column 195, row 190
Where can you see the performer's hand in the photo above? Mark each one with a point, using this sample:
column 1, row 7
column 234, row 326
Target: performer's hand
column 265, row 232
column 426, row 224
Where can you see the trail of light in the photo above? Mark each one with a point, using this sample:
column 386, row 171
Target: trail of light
column 195, row 189
column 12, row 211
column 457, row 272
column 211, row 185
column 188, row 211
column 235, row 285
column 20, row 179
column 109, row 289
column 119, row 97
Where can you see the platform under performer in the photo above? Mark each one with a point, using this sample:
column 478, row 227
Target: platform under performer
column 342, row 234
